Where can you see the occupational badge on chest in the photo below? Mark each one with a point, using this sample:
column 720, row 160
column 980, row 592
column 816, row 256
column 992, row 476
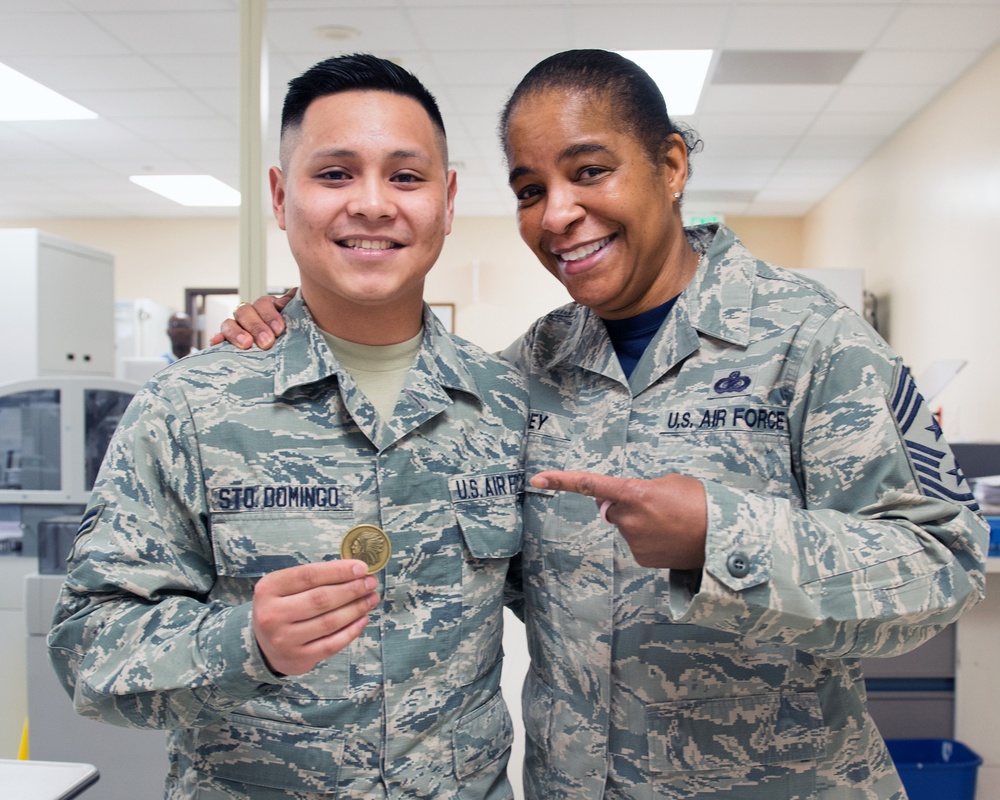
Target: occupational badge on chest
column 367, row 543
column 733, row 382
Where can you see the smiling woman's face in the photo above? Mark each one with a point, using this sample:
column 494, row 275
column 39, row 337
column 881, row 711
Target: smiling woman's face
column 592, row 205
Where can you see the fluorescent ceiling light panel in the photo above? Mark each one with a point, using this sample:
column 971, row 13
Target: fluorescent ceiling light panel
column 198, row 191
column 25, row 100
column 680, row 74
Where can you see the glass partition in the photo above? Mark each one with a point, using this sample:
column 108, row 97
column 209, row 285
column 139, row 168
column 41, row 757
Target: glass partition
column 30, row 451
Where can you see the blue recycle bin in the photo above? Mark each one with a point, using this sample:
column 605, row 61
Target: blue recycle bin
column 933, row 769
column 994, row 523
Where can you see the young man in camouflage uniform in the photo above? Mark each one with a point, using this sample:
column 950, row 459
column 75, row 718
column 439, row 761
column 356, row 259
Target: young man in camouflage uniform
column 205, row 595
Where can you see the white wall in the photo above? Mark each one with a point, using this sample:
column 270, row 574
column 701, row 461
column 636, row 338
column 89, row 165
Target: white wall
column 921, row 217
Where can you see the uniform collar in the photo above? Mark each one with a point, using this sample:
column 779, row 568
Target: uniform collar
column 717, row 302
column 305, row 358
column 719, row 299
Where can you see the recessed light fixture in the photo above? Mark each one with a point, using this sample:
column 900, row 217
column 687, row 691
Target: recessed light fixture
column 339, row 33
column 26, row 100
column 190, row 190
column 680, row 74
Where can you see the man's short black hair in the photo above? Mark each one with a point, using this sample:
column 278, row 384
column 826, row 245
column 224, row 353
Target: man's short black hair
column 356, row 72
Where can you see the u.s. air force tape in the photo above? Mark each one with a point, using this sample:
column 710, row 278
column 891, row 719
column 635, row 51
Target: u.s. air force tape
column 486, row 485
column 367, row 543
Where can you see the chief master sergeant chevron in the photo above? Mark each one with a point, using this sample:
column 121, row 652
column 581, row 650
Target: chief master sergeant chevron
column 205, row 595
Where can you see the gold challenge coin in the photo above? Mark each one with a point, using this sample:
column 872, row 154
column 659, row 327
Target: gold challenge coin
column 367, row 543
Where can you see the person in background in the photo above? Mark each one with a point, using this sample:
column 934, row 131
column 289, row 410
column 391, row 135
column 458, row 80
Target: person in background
column 181, row 333
column 736, row 489
column 205, row 594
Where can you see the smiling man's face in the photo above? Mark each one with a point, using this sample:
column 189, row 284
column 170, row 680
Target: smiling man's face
column 366, row 199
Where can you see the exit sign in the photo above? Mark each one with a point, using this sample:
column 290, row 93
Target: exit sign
column 704, row 220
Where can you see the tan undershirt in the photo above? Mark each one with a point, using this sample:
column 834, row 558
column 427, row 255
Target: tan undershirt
column 379, row 370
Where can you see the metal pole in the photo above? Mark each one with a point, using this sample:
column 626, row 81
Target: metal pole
column 253, row 121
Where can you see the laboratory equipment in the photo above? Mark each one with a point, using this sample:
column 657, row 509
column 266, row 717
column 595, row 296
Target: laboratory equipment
column 53, row 436
column 141, row 339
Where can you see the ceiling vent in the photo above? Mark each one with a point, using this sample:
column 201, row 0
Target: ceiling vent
column 765, row 67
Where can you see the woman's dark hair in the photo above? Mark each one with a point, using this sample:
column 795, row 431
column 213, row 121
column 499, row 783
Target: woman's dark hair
column 636, row 99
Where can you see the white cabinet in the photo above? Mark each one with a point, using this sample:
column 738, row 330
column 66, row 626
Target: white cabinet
column 977, row 683
column 59, row 315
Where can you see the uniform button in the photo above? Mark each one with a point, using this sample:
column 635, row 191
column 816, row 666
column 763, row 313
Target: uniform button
column 738, row 564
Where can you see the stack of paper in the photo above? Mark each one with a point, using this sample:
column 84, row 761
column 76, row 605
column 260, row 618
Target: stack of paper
column 987, row 493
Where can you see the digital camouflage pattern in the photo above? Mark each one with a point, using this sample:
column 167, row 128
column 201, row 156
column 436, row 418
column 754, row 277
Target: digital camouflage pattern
column 230, row 465
column 839, row 526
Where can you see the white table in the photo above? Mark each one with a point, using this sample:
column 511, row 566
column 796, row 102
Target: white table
column 44, row 780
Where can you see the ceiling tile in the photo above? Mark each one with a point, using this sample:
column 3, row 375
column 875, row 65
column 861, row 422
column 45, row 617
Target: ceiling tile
column 821, row 166
column 648, row 27
column 710, row 125
column 740, row 183
column 483, row 100
column 857, row 124
column 538, row 27
column 948, row 26
column 764, row 99
column 182, row 129
column 728, row 167
column 170, row 6
column 168, row 72
column 881, row 99
column 152, row 103
column 71, row 74
column 912, row 67
column 801, row 182
column 819, row 146
column 204, row 71
column 171, row 33
column 47, row 34
column 739, row 146
column 490, row 68
column 817, row 26
column 381, row 30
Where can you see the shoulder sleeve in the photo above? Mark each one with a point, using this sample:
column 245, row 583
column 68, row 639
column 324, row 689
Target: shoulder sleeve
column 135, row 640
column 885, row 547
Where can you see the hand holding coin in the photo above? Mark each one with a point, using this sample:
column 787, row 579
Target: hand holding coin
column 305, row 614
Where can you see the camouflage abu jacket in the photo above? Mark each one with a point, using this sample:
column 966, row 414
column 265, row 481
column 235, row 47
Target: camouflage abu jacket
column 233, row 464
column 839, row 527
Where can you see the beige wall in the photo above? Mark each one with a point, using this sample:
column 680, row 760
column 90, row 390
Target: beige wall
column 485, row 269
column 922, row 218
column 156, row 258
column 778, row 240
